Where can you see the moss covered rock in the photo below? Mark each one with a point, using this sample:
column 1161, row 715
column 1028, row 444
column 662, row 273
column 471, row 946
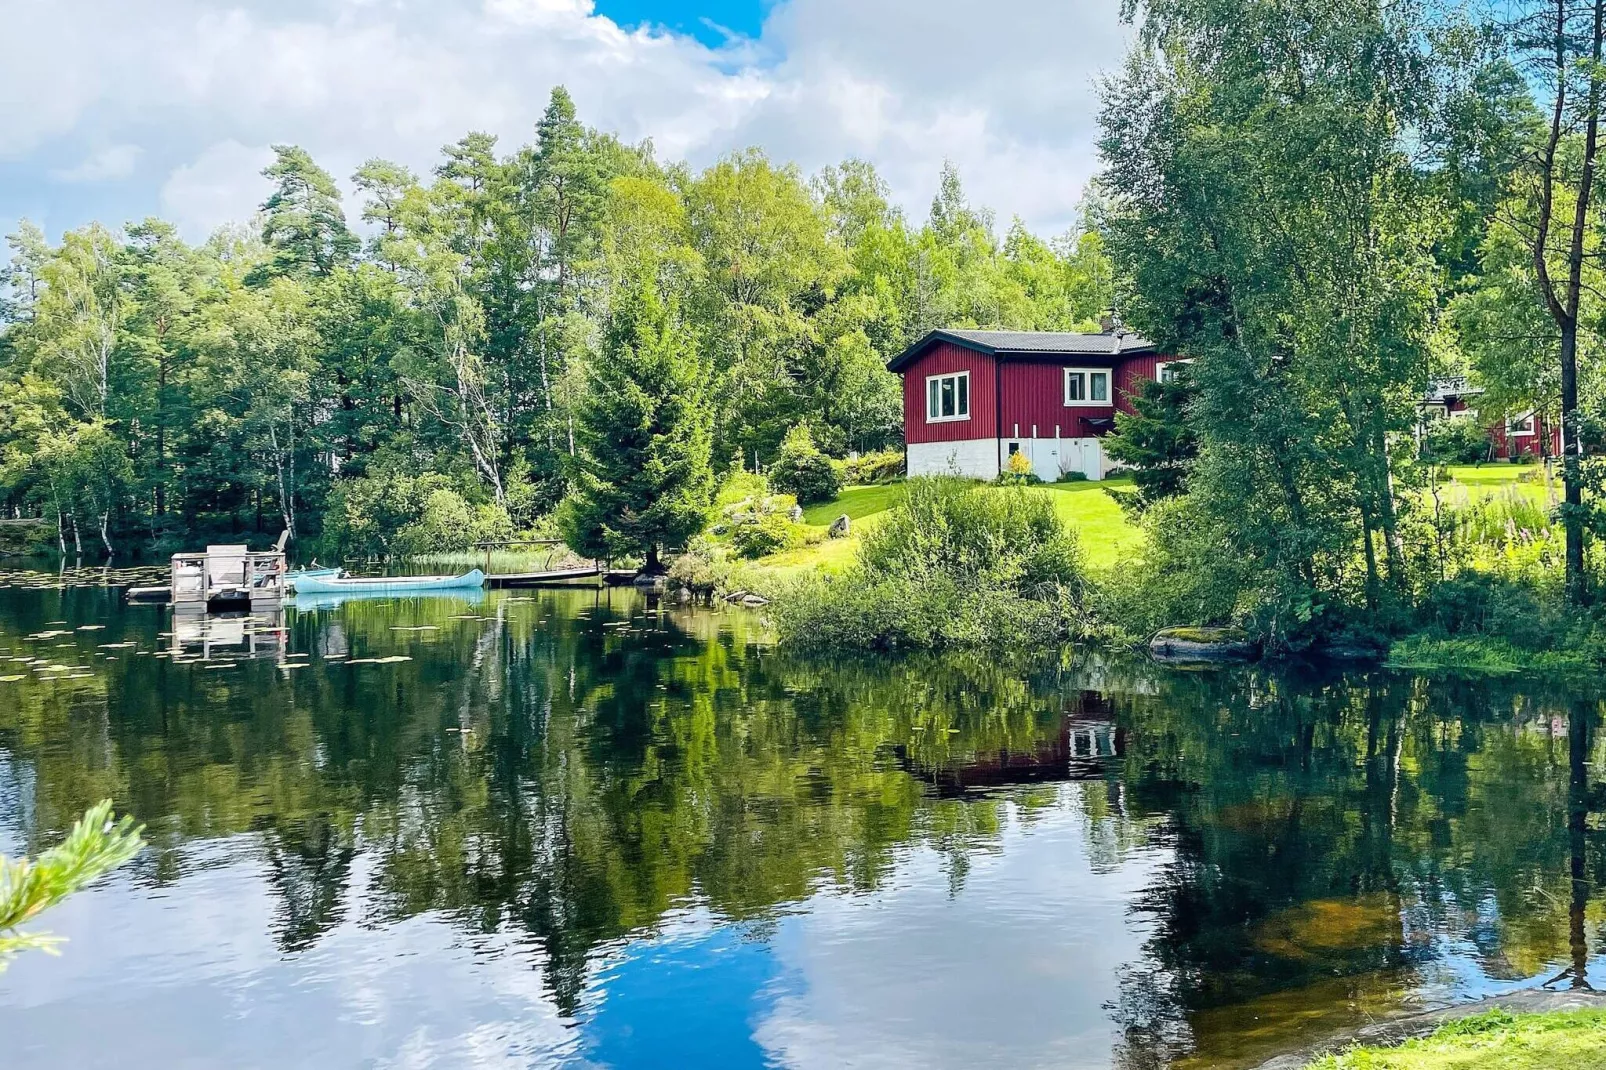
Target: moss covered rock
column 1202, row 644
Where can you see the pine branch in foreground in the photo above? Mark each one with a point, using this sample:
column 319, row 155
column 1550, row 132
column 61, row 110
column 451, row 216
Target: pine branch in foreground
column 96, row 845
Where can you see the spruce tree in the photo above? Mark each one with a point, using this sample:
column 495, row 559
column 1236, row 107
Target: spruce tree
column 641, row 477
column 1155, row 440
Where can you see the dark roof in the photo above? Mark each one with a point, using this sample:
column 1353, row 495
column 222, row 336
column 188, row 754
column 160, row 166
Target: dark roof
column 1027, row 345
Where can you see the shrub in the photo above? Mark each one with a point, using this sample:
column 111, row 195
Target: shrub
column 760, row 525
column 1017, row 470
column 952, row 564
column 1455, row 441
column 704, row 568
column 802, row 471
column 882, row 466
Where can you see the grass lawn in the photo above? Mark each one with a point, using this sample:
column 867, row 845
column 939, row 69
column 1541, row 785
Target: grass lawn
column 1494, row 479
column 1495, row 473
column 1572, row 1039
column 857, row 502
column 1108, row 538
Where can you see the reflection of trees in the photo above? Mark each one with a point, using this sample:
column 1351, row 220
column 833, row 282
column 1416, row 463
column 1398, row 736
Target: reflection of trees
column 547, row 771
column 1328, row 833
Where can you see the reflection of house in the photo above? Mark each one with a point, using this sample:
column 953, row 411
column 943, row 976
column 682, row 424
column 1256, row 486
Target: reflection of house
column 973, row 399
column 1088, row 737
column 1455, row 398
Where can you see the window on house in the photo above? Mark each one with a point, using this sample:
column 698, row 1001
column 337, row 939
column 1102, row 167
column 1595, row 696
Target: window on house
column 1084, row 386
column 948, row 397
column 1521, row 427
column 1169, row 371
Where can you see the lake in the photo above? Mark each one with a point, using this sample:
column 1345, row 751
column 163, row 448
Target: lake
column 578, row 828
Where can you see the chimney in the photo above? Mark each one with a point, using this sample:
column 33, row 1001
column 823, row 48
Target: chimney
column 1107, row 323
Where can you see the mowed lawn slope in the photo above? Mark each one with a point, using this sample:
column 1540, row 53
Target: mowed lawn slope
column 1108, row 537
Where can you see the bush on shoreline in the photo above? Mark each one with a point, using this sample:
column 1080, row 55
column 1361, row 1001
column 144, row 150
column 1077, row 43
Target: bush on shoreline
column 953, row 564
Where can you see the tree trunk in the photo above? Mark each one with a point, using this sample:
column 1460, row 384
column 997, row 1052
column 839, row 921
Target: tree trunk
column 652, row 567
column 1572, row 467
column 105, row 521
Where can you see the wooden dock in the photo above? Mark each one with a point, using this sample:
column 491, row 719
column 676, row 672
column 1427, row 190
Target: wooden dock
column 559, row 577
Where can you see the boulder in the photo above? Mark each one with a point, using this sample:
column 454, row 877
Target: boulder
column 656, row 581
column 1202, row 644
column 839, row 527
column 753, row 601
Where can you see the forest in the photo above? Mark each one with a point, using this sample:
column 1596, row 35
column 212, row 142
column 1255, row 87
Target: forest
column 422, row 371
column 1325, row 207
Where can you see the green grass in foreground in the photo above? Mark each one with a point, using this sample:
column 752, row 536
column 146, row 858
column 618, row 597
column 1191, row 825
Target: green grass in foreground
column 1572, row 1039
column 1108, row 537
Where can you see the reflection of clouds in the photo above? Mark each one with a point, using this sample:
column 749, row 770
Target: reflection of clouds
column 1013, row 971
column 213, row 991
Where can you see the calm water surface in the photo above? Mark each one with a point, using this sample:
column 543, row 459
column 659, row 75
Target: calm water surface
column 571, row 828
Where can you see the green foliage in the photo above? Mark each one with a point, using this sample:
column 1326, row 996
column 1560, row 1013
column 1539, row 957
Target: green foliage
column 302, row 219
column 392, row 515
column 1455, row 441
column 758, row 527
column 642, row 479
column 95, row 846
column 1155, row 440
column 951, row 564
column 1267, row 210
column 880, row 466
column 245, row 379
column 802, row 471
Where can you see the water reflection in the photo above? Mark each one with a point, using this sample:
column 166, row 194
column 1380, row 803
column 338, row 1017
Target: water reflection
column 592, row 830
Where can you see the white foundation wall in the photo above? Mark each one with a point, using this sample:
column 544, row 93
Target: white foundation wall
column 1052, row 458
column 975, row 457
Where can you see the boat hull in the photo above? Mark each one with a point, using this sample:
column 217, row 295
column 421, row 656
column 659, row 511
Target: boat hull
column 390, row 584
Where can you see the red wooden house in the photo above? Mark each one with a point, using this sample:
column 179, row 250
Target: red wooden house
column 973, row 398
column 1526, row 437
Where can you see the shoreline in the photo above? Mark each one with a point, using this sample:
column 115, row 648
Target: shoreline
column 1524, row 1001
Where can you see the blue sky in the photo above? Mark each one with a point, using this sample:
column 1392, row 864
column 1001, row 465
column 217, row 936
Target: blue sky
column 116, row 110
column 705, row 20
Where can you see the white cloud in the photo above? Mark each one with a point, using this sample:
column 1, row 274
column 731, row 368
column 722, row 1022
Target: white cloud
column 109, row 163
column 224, row 184
column 1007, row 94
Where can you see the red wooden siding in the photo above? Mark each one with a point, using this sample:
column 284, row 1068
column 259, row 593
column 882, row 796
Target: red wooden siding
column 1545, row 434
column 943, row 358
column 1034, row 394
column 1130, row 375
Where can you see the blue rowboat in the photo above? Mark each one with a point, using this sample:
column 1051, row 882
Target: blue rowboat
column 311, row 574
column 312, row 603
column 389, row 584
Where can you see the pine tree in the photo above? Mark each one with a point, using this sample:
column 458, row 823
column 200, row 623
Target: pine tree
column 303, row 221
column 642, row 479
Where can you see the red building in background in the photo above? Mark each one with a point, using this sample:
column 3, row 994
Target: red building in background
column 1528, row 436
column 973, row 398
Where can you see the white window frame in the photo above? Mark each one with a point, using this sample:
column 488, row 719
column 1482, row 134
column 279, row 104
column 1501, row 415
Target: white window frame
column 1522, row 427
column 933, row 405
column 1087, row 387
column 1159, row 368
